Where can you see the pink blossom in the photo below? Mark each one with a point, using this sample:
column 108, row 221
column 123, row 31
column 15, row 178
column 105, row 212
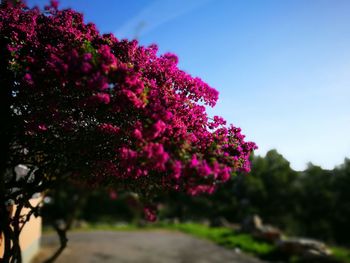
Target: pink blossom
column 150, row 213
column 113, row 195
column 103, row 98
column 158, row 128
column 176, row 168
column 194, row 161
column 109, row 128
column 54, row 4
column 28, row 79
column 42, row 127
column 137, row 134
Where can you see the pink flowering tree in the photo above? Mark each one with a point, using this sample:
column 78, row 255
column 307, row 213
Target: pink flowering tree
column 81, row 107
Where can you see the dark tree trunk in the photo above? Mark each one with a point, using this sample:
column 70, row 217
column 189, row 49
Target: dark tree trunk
column 6, row 129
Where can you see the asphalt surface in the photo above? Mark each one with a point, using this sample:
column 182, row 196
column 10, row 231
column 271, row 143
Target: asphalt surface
column 139, row 247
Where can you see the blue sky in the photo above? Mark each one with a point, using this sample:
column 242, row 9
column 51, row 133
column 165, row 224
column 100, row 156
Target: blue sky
column 281, row 67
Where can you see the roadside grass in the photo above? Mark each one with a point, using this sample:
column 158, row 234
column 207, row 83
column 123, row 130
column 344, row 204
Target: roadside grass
column 231, row 239
column 341, row 254
column 225, row 237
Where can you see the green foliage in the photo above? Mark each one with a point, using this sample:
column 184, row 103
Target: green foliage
column 226, row 237
column 269, row 190
column 325, row 200
column 341, row 254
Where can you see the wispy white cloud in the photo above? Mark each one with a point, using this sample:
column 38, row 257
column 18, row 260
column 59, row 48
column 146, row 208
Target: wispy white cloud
column 156, row 14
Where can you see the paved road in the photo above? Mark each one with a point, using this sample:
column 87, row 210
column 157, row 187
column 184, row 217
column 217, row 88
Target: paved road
column 140, row 247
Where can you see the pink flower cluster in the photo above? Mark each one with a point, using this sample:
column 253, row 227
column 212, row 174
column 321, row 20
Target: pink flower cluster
column 112, row 111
